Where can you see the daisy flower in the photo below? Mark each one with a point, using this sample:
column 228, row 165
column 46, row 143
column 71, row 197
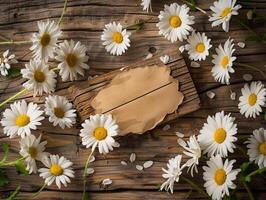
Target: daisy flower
column 219, row 177
column 116, row 39
column 72, row 57
column 257, row 147
column 21, row 118
column 218, row 135
column 172, row 174
column 60, row 111
column 32, row 148
column 223, row 62
column 99, row 131
column 192, row 150
column 59, row 169
column 175, row 22
column 222, row 13
column 6, row 61
column 252, row 99
column 198, row 46
column 146, row 5
column 44, row 42
column 40, row 78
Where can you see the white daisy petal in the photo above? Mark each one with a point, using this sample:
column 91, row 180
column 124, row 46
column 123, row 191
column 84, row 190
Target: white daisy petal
column 6, row 62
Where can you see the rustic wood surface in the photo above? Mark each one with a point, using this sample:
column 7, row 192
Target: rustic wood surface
column 84, row 21
column 84, row 92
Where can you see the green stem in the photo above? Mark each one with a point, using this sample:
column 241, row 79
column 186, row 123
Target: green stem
column 251, row 67
column 63, row 12
column 137, row 26
column 12, row 163
column 85, row 173
column 38, row 192
column 195, row 186
column 13, row 97
column 15, row 42
column 198, row 8
column 250, row 195
column 258, row 171
column 247, row 27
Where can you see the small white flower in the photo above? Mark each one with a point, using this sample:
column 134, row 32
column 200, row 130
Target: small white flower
column 72, row 57
column 99, row 130
column 60, row 111
column 175, row 22
column 256, row 145
column 146, row 5
column 219, row 177
column 223, row 10
column 21, row 118
column 39, row 78
column 115, row 39
column 173, row 173
column 32, row 148
column 193, row 150
column 6, row 62
column 59, row 169
column 223, row 62
column 45, row 41
column 198, row 46
column 218, row 135
column 252, row 99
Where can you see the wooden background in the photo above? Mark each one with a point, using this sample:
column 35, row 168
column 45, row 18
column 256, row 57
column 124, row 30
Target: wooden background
column 84, row 21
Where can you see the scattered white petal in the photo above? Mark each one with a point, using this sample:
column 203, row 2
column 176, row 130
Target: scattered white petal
column 132, row 157
column 241, row 44
column 210, row 94
column 107, row 182
column 139, row 167
column 149, row 56
column 179, row 134
column 166, row 127
column 92, row 159
column 90, row 171
column 194, row 64
column 116, row 144
column 148, row 164
column 233, row 96
column 182, row 48
column 122, row 69
column 123, row 163
column 165, row 59
column 247, row 77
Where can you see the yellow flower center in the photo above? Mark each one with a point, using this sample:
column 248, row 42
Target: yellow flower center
column 200, row 47
column 56, row 170
column 33, row 152
column 224, row 62
column 22, row 120
column 252, row 99
column 262, row 148
column 220, row 176
column 225, row 12
column 100, row 133
column 117, row 37
column 59, row 112
column 71, row 59
column 220, row 135
column 39, row 76
column 45, row 39
column 175, row 21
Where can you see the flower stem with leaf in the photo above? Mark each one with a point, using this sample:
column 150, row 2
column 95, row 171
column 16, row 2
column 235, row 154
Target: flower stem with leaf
column 195, row 186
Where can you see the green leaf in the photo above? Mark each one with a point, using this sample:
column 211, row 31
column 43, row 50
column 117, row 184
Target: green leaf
column 5, row 149
column 85, row 196
column 244, row 166
column 13, row 72
column 14, row 194
column 21, row 168
column 193, row 6
column 3, row 178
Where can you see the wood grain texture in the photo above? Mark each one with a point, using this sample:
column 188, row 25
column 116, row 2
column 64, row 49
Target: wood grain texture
column 84, row 21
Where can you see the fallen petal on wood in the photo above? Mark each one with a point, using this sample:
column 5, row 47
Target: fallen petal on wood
column 148, row 164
